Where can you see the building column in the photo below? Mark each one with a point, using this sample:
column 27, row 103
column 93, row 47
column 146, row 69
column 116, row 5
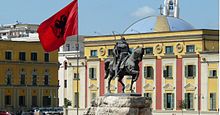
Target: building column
column 28, row 97
column 139, row 81
column 119, row 87
column 158, row 84
column 179, row 68
column 102, row 78
column 204, row 87
column 1, row 95
column 14, row 101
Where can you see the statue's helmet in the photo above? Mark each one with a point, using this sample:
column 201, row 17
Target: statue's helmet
column 123, row 38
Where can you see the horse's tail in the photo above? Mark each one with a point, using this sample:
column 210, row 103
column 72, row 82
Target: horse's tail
column 107, row 62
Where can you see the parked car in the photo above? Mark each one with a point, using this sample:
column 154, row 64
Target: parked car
column 51, row 110
column 27, row 113
column 59, row 110
column 5, row 113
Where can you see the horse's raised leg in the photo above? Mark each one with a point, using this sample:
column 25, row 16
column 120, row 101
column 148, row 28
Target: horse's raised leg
column 123, row 85
column 132, row 82
column 109, row 82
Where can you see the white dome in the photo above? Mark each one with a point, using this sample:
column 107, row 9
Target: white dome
column 158, row 24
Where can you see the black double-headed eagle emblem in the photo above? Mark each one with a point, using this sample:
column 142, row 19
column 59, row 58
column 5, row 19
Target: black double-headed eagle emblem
column 59, row 26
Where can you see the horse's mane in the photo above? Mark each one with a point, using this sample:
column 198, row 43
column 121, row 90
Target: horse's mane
column 137, row 52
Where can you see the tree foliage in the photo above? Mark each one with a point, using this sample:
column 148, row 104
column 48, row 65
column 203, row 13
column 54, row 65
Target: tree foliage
column 67, row 102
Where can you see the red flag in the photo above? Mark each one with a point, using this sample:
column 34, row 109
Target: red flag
column 53, row 31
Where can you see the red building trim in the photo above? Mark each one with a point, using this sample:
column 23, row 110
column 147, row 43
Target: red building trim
column 139, row 81
column 86, row 83
column 102, row 78
column 199, row 84
column 158, row 84
column 179, row 76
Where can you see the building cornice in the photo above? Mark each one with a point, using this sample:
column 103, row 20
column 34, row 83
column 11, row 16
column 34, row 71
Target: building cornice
column 93, row 59
column 29, row 86
column 149, row 57
column 145, row 40
column 190, row 55
column 205, row 31
column 209, row 52
column 169, row 56
column 28, row 62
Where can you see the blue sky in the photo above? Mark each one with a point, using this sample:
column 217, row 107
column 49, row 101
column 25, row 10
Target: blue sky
column 101, row 17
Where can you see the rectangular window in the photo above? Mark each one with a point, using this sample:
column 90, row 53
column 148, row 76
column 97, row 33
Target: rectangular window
column 168, row 49
column 46, row 57
column 21, row 100
column 189, row 100
column 46, row 80
column 190, row 70
column 68, row 47
column 7, row 100
column 22, row 81
column 213, row 73
column 168, row 100
column 92, row 73
column 46, row 101
column 76, row 99
column 149, row 50
column 22, row 56
column 8, row 55
column 33, row 56
column 34, row 79
column 76, row 76
column 34, row 101
column 213, row 102
column 93, row 53
column 65, row 83
column 168, row 72
column 148, row 72
column 190, row 48
column 110, row 52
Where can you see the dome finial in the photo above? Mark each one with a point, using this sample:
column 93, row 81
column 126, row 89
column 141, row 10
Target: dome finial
column 171, row 8
column 161, row 9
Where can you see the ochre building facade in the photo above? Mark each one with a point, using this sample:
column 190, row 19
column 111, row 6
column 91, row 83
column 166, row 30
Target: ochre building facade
column 29, row 76
column 179, row 70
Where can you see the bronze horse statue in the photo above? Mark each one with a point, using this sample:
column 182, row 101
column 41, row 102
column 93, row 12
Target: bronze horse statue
column 130, row 67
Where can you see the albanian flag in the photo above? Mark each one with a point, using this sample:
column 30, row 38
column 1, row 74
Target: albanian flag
column 53, row 31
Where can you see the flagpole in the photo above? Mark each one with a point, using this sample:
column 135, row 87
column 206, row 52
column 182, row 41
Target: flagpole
column 77, row 56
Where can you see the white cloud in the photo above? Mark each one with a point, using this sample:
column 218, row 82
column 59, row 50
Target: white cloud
column 144, row 12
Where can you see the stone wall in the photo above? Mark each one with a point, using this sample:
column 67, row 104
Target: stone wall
column 119, row 105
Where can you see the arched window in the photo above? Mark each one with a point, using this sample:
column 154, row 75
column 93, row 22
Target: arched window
column 8, row 77
column 22, row 77
column 46, row 78
column 34, row 77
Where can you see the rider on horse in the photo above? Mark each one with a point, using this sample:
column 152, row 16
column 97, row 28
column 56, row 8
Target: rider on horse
column 121, row 50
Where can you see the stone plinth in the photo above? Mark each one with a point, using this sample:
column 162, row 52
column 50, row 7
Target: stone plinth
column 119, row 105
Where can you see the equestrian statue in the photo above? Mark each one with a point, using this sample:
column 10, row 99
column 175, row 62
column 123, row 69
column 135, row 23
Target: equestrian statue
column 124, row 62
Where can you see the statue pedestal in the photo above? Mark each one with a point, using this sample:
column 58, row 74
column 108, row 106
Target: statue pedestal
column 119, row 104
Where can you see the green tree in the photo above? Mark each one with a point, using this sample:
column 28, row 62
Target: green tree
column 67, row 103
